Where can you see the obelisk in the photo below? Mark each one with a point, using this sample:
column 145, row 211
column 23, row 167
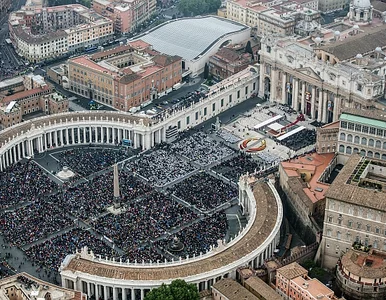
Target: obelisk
column 116, row 184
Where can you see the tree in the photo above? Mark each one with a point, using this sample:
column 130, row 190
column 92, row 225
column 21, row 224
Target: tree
column 198, row 7
column 177, row 290
column 206, row 71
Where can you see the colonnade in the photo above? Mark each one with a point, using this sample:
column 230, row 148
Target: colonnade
column 124, row 290
column 43, row 140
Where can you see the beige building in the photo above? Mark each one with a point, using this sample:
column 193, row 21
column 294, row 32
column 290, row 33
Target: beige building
column 327, row 138
column 320, row 77
column 355, row 210
column 126, row 76
column 268, row 17
column 44, row 33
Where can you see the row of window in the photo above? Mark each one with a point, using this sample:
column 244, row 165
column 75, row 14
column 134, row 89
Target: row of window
column 362, row 128
column 362, row 152
column 363, row 141
column 356, row 225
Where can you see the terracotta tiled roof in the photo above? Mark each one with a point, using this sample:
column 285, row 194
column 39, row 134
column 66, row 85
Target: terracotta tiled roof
column 233, row 290
column 164, row 60
column 292, row 271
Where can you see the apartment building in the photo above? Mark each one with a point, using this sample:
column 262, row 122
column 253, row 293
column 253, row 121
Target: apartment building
column 275, row 17
column 127, row 15
column 44, row 33
column 293, row 282
column 124, row 77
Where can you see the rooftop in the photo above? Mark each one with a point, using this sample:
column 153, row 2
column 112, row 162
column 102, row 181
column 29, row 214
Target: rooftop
column 34, row 288
column 12, row 81
column 314, row 288
column 365, row 264
column 262, row 288
column 312, row 165
column 375, row 118
column 24, row 94
column 292, row 271
column 261, row 228
column 184, row 37
column 344, row 188
column 359, row 44
column 233, row 290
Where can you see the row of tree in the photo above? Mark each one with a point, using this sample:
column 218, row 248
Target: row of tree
column 198, row 7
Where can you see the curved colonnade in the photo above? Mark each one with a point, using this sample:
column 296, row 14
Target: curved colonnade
column 108, row 279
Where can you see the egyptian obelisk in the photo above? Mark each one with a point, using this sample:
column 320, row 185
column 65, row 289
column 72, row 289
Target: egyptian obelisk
column 116, row 184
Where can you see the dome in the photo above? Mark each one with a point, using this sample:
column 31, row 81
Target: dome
column 362, row 3
column 318, row 40
column 378, row 49
column 359, row 56
column 356, row 27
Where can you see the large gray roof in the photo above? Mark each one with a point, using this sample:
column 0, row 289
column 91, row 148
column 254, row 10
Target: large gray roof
column 189, row 37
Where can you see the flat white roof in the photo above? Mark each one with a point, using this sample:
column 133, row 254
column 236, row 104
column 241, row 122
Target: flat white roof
column 12, row 81
column 275, row 126
column 288, row 134
column 189, row 37
column 267, row 122
column 10, row 106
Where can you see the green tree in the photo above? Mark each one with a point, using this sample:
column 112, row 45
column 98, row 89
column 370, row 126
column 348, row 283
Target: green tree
column 206, row 71
column 248, row 48
column 177, row 290
column 198, row 7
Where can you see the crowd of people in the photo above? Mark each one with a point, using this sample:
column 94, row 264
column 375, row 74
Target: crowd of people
column 161, row 167
column 51, row 253
column 143, row 220
column 32, row 222
column 87, row 200
column 199, row 237
column 201, row 149
column 204, row 191
column 23, row 182
column 239, row 165
column 86, row 161
column 300, row 139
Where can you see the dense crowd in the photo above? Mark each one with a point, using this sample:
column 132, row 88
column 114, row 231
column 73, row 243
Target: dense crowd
column 199, row 237
column 144, row 254
column 300, row 139
column 201, row 149
column 161, row 167
column 204, row 191
column 143, row 220
column 52, row 252
column 86, row 161
column 89, row 199
column 32, row 222
column 23, row 182
column 239, row 165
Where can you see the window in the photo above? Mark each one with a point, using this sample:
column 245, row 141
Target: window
column 205, row 111
column 371, row 143
column 372, row 130
column 349, row 223
column 330, row 219
column 348, row 150
column 356, row 140
column 338, row 235
column 343, row 124
column 358, row 127
column 368, row 227
column 349, row 138
column 342, row 136
column 187, row 120
column 329, row 232
column 350, row 210
column 341, row 148
column 378, row 144
column 359, row 225
column 222, row 102
column 359, row 87
column 377, row 230
column 351, row 126
column 364, row 141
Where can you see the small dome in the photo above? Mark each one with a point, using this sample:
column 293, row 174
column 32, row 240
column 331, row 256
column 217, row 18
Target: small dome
column 336, row 33
column 356, row 27
column 362, row 3
column 318, row 40
column 378, row 49
column 359, row 56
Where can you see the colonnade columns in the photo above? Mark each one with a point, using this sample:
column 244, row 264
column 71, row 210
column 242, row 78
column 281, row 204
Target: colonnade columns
column 67, row 140
column 96, row 291
column 114, row 293
column 142, row 294
column 313, row 101
column 261, row 80
column 132, row 294
column 274, row 82
column 321, row 106
column 337, row 104
column 303, row 100
column 295, row 95
column 283, row 88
